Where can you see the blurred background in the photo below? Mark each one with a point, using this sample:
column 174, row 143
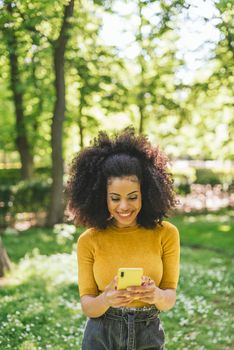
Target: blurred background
column 71, row 68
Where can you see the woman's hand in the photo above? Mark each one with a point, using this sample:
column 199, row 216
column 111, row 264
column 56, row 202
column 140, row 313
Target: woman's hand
column 114, row 297
column 148, row 292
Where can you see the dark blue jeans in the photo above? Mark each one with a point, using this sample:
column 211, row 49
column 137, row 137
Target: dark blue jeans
column 124, row 329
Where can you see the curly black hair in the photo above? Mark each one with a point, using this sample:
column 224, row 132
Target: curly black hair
column 124, row 154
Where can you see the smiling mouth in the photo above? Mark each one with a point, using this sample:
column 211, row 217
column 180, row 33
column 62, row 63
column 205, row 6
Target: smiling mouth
column 125, row 215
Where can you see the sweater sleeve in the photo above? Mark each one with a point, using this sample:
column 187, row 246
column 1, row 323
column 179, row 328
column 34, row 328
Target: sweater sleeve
column 170, row 258
column 85, row 259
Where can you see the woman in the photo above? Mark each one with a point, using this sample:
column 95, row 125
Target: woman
column 119, row 187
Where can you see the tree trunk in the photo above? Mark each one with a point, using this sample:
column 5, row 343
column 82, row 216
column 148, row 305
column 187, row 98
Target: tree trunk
column 81, row 132
column 141, row 61
column 22, row 143
column 141, row 124
column 56, row 208
column 4, row 260
column 81, row 128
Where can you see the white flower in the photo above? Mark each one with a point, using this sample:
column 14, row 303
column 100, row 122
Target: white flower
column 10, row 231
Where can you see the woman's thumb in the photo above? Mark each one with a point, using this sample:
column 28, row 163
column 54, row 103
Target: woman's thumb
column 114, row 282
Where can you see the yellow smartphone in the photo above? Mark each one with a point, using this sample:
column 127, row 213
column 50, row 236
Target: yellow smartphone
column 129, row 276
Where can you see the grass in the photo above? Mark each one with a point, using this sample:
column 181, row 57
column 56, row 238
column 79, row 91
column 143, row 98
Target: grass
column 40, row 306
column 212, row 231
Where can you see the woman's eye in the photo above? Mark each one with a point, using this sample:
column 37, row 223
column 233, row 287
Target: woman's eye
column 115, row 199
column 130, row 198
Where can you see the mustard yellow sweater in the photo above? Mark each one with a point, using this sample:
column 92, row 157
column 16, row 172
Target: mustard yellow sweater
column 101, row 252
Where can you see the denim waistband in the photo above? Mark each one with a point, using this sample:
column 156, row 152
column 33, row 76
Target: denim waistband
column 139, row 313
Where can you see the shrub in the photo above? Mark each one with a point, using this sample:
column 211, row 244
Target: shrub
column 214, row 177
column 26, row 196
column 9, row 176
column 5, row 202
column 12, row 176
column 183, row 180
column 31, row 195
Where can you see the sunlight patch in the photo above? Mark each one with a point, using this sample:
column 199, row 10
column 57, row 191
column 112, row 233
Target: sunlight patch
column 224, row 228
column 54, row 270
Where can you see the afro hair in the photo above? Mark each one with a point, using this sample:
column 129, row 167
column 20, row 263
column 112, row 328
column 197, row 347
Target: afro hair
column 124, row 154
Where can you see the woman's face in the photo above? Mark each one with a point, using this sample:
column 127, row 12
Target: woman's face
column 124, row 200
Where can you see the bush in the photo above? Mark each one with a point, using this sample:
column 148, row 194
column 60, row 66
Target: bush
column 183, row 189
column 26, row 196
column 44, row 172
column 206, row 176
column 31, row 195
column 183, row 180
column 5, row 202
column 13, row 176
column 9, row 176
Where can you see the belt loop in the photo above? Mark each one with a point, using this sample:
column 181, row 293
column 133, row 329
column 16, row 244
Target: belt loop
column 131, row 332
column 147, row 322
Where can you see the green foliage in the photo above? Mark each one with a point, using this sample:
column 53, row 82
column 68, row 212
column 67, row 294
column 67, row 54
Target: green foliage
column 183, row 189
column 183, row 180
column 224, row 52
column 31, row 196
column 206, row 132
column 25, row 196
column 9, row 176
column 7, row 125
column 5, row 203
column 12, row 176
column 95, row 76
column 189, row 120
column 153, row 88
column 213, row 177
column 42, row 172
column 207, row 176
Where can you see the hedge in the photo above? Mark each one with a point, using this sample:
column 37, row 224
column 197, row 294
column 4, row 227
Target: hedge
column 26, row 196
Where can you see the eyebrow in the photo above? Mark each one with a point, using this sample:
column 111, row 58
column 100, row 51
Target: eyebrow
column 119, row 194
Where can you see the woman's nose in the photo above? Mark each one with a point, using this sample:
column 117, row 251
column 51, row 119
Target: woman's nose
column 123, row 205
